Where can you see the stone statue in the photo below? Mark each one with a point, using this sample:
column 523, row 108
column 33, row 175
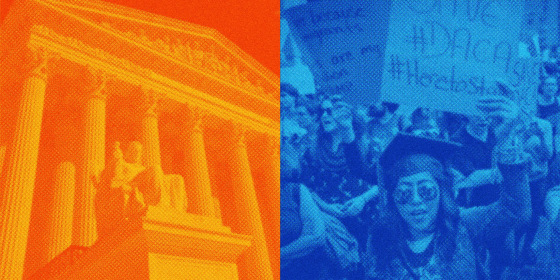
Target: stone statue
column 173, row 194
column 125, row 188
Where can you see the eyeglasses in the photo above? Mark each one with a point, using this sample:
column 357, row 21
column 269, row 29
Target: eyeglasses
column 405, row 196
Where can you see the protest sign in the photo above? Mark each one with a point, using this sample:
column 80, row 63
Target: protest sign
column 445, row 54
column 346, row 43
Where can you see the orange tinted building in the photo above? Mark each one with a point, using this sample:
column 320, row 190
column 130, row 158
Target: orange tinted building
column 83, row 80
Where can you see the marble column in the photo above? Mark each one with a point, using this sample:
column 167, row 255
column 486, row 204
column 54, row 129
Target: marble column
column 92, row 161
column 150, row 132
column 272, row 193
column 151, row 145
column 197, row 178
column 60, row 225
column 256, row 259
column 273, row 177
column 18, row 181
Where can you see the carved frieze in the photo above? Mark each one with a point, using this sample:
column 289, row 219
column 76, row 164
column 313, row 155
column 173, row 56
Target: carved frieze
column 50, row 34
column 195, row 55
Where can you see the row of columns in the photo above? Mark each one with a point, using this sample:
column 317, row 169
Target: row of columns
column 21, row 161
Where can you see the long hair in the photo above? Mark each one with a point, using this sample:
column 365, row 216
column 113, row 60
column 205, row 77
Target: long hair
column 394, row 230
column 324, row 138
column 321, row 151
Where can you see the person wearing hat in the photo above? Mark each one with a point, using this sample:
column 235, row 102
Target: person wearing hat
column 423, row 234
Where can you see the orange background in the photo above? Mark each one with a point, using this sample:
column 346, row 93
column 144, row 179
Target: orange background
column 254, row 25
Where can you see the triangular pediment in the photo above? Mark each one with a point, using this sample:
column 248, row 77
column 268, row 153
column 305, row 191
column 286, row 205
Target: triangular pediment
column 200, row 47
column 198, row 63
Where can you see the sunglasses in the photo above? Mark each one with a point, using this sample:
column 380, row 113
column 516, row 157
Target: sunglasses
column 405, row 196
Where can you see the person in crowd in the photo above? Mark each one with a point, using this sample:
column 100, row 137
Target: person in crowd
column 548, row 108
column 342, row 186
column 536, row 255
column 424, row 234
column 551, row 62
column 307, row 121
column 547, row 100
column 472, row 164
column 453, row 122
column 302, row 236
column 288, row 97
column 549, row 251
column 383, row 125
column 427, row 122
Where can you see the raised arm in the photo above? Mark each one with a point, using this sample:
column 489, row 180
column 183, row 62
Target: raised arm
column 313, row 232
column 513, row 208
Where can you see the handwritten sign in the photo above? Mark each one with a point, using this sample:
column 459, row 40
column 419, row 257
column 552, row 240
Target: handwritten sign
column 445, row 54
column 346, row 43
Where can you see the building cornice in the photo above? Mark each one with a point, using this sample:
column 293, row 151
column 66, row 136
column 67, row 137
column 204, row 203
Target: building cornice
column 74, row 50
column 111, row 11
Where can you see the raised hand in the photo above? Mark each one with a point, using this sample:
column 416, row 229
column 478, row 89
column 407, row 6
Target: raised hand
column 335, row 209
column 497, row 106
column 504, row 113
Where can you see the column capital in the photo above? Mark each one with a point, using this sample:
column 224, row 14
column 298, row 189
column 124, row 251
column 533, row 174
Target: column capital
column 96, row 80
column 195, row 117
column 239, row 131
column 37, row 61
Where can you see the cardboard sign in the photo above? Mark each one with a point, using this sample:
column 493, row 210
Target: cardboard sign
column 445, row 54
column 346, row 43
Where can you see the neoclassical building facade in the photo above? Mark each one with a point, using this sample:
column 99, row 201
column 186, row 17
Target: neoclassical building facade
column 133, row 146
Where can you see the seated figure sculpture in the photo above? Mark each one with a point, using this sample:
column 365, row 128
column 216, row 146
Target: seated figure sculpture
column 126, row 188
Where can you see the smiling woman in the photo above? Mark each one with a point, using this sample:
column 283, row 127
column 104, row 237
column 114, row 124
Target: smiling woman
column 424, row 235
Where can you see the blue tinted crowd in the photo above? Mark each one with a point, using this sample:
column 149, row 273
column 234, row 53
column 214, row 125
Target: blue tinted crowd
column 374, row 192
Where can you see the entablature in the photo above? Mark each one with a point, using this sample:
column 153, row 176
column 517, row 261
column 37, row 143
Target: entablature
column 74, row 50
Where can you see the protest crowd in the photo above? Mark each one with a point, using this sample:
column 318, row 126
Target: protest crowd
column 369, row 191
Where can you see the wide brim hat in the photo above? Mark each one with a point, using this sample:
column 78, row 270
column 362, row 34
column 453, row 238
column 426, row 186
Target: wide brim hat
column 404, row 145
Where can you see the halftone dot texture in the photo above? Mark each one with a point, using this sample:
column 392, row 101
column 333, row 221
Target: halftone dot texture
column 441, row 56
column 138, row 146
